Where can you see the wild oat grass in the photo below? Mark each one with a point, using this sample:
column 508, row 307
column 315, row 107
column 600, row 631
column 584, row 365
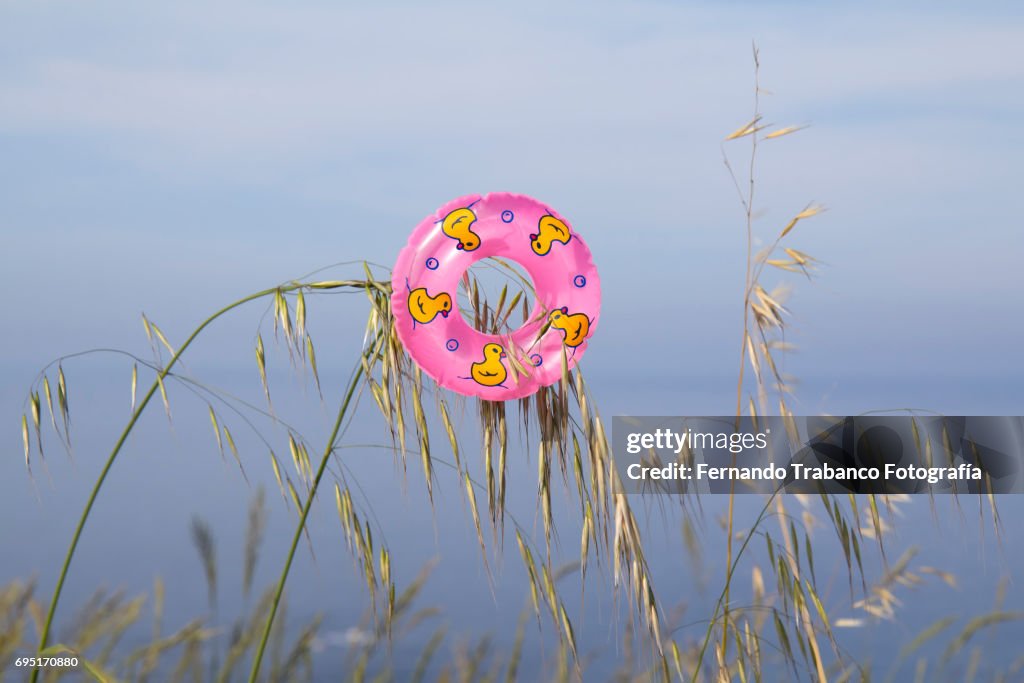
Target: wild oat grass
column 788, row 625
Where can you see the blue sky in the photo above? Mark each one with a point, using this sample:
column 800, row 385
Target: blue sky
column 171, row 159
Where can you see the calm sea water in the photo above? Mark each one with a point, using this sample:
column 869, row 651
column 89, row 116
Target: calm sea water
column 171, row 472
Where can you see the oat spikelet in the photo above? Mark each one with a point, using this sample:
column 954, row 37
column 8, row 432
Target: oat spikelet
column 24, row 438
column 311, row 357
column 422, row 431
column 588, row 531
column 544, row 489
column 788, row 130
column 62, row 401
column 450, row 429
column 282, row 316
column 567, row 629
column 747, row 129
column 135, row 385
column 261, row 364
column 234, row 450
column 471, row 495
column 531, row 572
column 149, row 334
column 810, row 211
column 277, row 472
column 160, row 335
column 35, row 405
column 300, row 315
column 163, row 394
column 49, row 402
column 502, row 465
column 216, row 430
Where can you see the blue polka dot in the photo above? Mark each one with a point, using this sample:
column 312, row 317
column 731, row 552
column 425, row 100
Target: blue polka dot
column 432, row 263
column 579, row 281
column 507, row 216
column 452, row 344
column 537, row 360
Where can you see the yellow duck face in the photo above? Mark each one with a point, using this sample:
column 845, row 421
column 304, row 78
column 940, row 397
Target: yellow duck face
column 424, row 308
column 576, row 326
column 549, row 231
column 490, row 372
column 457, row 225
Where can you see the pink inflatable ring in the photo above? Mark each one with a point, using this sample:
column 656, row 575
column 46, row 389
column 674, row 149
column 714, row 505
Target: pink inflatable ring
column 511, row 227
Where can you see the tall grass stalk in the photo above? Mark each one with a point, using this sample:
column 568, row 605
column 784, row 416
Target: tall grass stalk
column 762, row 315
column 157, row 385
column 723, row 599
column 300, row 527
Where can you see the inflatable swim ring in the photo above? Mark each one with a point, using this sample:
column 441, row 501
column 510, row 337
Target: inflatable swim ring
column 507, row 226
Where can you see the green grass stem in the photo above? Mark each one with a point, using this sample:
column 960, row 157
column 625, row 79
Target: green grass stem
column 300, row 527
column 84, row 517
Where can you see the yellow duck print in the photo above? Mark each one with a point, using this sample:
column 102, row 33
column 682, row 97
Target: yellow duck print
column 576, row 326
column 457, row 225
column 490, row 372
column 424, row 308
column 549, row 231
